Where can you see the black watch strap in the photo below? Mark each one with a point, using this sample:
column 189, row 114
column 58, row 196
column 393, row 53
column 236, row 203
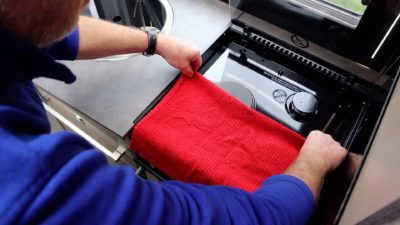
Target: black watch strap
column 152, row 40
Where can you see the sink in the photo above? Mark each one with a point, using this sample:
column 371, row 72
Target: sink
column 136, row 13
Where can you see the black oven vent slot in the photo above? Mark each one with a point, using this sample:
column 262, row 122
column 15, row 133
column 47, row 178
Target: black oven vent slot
column 299, row 59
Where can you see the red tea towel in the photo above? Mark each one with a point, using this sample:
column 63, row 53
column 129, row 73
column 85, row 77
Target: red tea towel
column 199, row 133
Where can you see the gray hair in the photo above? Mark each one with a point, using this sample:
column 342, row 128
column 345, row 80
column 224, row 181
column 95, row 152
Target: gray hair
column 40, row 22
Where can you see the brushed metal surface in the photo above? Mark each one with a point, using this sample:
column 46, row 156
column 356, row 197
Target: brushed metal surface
column 355, row 68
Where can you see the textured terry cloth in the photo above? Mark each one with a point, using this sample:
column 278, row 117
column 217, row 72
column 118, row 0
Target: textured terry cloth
column 199, row 133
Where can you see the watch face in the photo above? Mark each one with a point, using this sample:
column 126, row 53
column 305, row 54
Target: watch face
column 150, row 29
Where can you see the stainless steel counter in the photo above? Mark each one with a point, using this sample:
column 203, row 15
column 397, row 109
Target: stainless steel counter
column 115, row 93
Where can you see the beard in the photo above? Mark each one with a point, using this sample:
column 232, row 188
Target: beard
column 40, row 22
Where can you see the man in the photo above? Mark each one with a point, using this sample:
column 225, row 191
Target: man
column 59, row 178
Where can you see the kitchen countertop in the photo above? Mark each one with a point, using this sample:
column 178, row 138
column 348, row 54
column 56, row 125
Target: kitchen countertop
column 114, row 93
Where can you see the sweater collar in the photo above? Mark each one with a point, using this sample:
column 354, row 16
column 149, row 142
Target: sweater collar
column 21, row 61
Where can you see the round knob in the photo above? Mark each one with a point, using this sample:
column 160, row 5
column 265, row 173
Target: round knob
column 302, row 106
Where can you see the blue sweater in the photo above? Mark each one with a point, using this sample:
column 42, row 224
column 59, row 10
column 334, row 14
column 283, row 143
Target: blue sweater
column 60, row 178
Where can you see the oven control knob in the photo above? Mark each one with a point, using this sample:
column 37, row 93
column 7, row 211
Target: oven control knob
column 302, row 106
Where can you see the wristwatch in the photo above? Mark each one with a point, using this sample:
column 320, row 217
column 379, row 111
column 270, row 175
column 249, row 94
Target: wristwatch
column 152, row 37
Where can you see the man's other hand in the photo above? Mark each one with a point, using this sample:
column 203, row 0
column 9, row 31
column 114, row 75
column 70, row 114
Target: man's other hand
column 319, row 155
column 323, row 151
column 180, row 54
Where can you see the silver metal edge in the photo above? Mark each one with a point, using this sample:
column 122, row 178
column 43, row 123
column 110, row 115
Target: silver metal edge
column 355, row 68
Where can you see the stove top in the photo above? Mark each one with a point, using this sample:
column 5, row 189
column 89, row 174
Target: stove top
column 289, row 102
column 281, row 93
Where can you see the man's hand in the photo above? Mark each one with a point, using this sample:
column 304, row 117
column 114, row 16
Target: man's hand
column 319, row 155
column 179, row 53
column 126, row 40
column 320, row 149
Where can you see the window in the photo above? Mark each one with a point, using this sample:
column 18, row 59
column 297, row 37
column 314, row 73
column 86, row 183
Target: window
column 345, row 12
column 354, row 6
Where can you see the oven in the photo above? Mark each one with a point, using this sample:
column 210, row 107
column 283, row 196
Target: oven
column 312, row 64
column 324, row 65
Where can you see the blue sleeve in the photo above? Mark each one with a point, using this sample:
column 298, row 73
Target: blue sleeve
column 88, row 191
column 67, row 48
column 283, row 195
column 59, row 178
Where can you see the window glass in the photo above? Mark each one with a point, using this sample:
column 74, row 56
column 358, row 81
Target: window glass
column 354, row 6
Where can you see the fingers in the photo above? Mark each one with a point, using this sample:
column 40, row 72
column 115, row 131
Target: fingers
column 193, row 65
column 196, row 63
column 187, row 71
column 180, row 54
column 353, row 161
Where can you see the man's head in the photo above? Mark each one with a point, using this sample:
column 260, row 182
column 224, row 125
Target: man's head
column 40, row 22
